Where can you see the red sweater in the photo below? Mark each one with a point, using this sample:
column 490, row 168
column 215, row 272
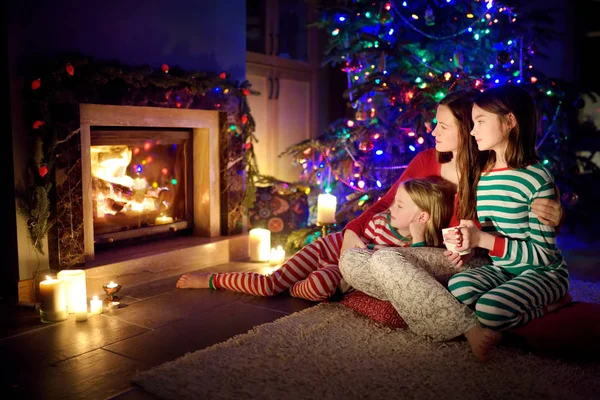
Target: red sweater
column 423, row 165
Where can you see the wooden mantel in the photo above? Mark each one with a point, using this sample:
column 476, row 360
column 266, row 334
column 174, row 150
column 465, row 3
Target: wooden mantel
column 204, row 126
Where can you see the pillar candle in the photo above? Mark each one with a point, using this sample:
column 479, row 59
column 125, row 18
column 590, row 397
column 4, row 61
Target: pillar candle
column 95, row 305
column 76, row 292
column 259, row 243
column 53, row 300
column 277, row 256
column 326, row 204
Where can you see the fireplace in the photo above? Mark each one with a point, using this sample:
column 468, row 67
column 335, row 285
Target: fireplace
column 147, row 171
column 141, row 182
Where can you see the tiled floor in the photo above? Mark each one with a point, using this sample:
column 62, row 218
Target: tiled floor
column 97, row 358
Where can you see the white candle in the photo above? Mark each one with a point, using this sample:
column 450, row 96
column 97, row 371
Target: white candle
column 76, row 292
column 277, row 256
column 326, row 204
column 95, row 305
column 259, row 244
column 53, row 299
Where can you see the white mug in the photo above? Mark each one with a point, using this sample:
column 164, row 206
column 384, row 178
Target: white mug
column 452, row 246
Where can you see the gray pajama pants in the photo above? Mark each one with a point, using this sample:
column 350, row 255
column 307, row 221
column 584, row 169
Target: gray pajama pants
column 413, row 280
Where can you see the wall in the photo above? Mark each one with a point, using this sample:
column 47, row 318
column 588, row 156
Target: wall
column 193, row 34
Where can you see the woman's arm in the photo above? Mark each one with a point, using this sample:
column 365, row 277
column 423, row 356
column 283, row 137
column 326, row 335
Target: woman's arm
column 414, row 170
column 549, row 211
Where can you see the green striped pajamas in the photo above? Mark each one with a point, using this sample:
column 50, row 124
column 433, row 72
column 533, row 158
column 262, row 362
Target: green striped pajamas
column 528, row 271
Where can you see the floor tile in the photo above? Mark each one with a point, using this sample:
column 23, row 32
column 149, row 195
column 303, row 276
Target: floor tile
column 63, row 340
column 173, row 306
column 134, row 393
column 283, row 303
column 195, row 333
column 98, row 374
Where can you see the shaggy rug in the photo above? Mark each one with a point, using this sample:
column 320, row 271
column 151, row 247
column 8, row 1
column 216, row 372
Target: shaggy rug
column 330, row 352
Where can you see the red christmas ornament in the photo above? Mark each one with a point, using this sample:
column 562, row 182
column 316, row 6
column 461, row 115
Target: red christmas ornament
column 36, row 84
column 70, row 70
column 165, row 68
column 248, row 146
column 246, row 92
column 43, row 170
column 222, row 75
column 244, row 119
column 38, row 124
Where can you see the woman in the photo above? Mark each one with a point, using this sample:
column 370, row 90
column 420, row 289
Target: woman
column 414, row 280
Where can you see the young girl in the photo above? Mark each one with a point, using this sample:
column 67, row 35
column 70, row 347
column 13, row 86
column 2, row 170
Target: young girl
column 528, row 276
column 420, row 209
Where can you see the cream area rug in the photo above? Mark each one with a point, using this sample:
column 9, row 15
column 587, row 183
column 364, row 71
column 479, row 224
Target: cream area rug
column 330, row 352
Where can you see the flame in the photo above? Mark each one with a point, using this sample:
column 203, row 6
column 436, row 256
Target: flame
column 110, row 164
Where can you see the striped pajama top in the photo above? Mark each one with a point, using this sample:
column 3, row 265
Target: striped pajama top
column 504, row 198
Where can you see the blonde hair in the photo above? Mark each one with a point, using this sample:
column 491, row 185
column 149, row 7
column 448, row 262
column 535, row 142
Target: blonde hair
column 435, row 196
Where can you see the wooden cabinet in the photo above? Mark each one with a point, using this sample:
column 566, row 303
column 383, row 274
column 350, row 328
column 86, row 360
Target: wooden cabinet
column 283, row 116
column 282, row 64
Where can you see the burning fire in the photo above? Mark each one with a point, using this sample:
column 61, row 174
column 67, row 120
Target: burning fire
column 115, row 191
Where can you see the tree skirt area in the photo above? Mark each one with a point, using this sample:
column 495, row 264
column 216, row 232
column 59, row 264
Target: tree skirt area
column 330, row 352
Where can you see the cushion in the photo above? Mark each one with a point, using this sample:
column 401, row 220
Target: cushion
column 378, row 310
column 572, row 331
column 281, row 212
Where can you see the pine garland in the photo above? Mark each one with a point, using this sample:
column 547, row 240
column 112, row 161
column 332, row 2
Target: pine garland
column 58, row 86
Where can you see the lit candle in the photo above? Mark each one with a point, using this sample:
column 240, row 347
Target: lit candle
column 259, row 243
column 112, row 285
column 95, row 305
column 326, row 204
column 53, row 299
column 76, row 292
column 277, row 256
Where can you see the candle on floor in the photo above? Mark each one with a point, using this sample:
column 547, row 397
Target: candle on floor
column 259, row 243
column 277, row 256
column 95, row 305
column 76, row 292
column 326, row 205
column 53, row 300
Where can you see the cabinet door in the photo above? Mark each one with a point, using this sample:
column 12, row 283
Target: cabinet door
column 263, row 110
column 292, row 95
column 260, row 17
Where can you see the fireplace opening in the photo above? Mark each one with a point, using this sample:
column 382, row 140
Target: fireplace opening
column 141, row 183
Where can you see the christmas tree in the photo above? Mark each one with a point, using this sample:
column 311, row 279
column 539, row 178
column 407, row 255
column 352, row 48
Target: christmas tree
column 401, row 58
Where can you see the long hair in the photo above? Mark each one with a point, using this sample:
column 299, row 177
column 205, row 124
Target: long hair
column 469, row 160
column 435, row 196
column 509, row 99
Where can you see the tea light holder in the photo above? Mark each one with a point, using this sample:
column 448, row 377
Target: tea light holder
column 111, row 289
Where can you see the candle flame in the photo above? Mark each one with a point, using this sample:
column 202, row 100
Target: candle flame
column 112, row 284
column 95, row 297
column 48, row 278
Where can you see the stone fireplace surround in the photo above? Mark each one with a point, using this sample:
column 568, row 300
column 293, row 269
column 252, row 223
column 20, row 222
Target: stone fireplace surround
column 212, row 243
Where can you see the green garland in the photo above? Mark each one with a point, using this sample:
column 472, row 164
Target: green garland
column 58, row 86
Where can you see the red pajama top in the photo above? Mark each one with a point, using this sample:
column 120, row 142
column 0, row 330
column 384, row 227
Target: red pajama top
column 423, row 165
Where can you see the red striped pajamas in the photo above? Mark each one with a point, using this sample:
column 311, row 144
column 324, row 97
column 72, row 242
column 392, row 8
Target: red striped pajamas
column 312, row 273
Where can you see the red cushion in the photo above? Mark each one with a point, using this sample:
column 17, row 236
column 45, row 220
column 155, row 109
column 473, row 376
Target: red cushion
column 571, row 331
column 378, row 310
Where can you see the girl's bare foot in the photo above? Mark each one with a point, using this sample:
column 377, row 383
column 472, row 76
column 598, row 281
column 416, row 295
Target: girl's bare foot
column 566, row 299
column 196, row 280
column 483, row 341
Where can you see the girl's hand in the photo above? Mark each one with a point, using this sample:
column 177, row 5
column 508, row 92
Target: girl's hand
column 548, row 211
column 468, row 235
column 417, row 231
column 351, row 241
column 457, row 259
